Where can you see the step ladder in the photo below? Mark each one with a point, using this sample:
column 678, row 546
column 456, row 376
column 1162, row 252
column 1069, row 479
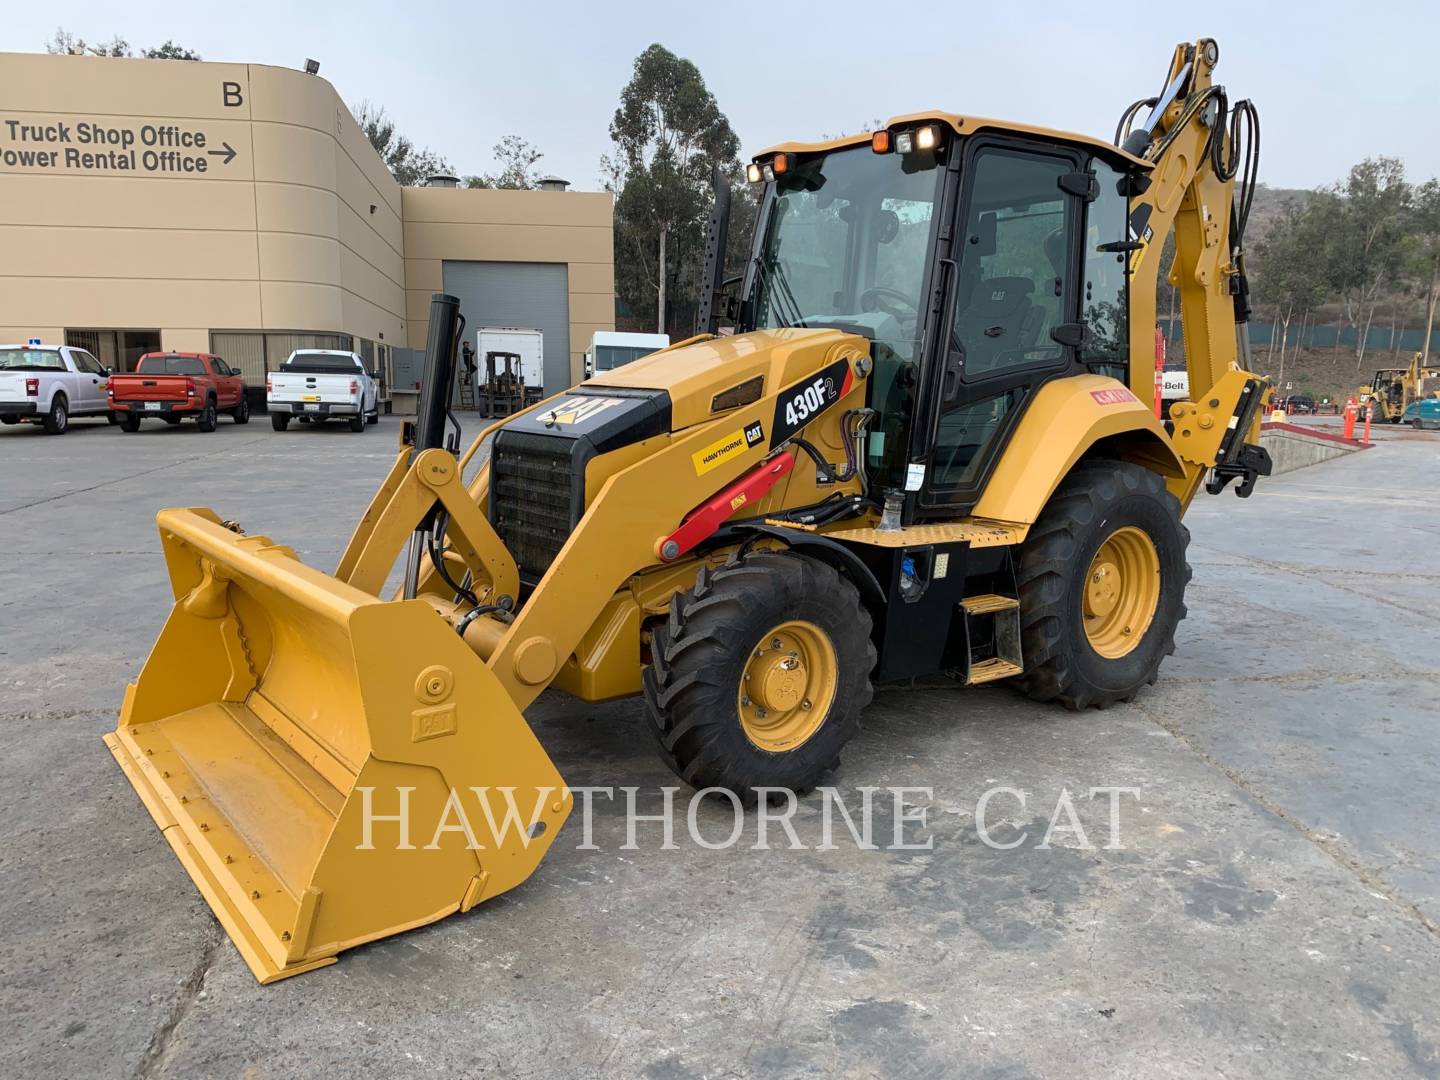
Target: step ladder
column 992, row 638
column 467, row 394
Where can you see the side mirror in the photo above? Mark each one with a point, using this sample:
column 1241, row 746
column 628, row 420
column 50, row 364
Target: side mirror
column 109, row 371
column 375, row 374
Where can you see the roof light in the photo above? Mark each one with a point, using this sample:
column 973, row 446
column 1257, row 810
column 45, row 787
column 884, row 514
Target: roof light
column 880, row 142
column 927, row 137
column 782, row 163
column 769, row 172
column 752, row 173
column 904, row 142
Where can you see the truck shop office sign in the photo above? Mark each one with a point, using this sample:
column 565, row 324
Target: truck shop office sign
column 93, row 146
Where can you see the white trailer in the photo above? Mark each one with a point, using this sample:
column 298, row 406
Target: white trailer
column 528, row 344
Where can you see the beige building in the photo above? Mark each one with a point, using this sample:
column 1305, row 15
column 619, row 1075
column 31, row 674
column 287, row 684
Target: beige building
column 239, row 209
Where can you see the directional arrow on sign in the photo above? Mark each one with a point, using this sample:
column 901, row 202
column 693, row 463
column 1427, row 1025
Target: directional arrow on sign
column 229, row 153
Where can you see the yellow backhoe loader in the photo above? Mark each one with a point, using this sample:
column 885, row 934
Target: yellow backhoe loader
column 927, row 445
column 1391, row 390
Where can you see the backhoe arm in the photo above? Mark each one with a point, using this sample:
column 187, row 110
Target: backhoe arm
column 1193, row 139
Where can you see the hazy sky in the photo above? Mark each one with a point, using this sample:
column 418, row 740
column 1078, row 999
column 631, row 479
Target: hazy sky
column 1335, row 80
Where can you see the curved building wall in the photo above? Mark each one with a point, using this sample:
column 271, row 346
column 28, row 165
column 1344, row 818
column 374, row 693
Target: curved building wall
column 125, row 207
column 240, row 206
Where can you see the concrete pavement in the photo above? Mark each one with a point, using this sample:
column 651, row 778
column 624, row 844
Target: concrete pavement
column 1273, row 907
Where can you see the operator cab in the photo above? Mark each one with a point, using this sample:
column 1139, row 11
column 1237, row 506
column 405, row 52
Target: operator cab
column 981, row 261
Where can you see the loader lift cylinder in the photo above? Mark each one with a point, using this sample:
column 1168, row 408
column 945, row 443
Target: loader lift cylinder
column 435, row 390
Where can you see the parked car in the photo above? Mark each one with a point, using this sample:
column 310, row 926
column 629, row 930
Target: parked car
column 1301, row 405
column 1423, row 414
column 315, row 385
column 172, row 386
column 48, row 384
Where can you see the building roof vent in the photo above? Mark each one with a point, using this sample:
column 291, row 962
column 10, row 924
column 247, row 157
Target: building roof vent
column 442, row 180
column 553, row 183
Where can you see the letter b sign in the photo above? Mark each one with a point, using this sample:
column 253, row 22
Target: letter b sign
column 230, row 95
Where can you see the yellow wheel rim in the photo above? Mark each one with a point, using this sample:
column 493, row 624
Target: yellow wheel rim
column 1122, row 592
column 787, row 686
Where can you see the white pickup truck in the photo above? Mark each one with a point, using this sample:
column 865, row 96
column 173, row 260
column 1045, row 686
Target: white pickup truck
column 315, row 385
column 48, row 384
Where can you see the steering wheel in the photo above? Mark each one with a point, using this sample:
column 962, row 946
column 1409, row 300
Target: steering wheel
column 900, row 305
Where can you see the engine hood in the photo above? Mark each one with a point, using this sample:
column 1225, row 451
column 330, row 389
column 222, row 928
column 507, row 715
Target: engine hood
column 694, row 376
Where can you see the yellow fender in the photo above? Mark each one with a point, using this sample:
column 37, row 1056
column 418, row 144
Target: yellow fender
column 1067, row 418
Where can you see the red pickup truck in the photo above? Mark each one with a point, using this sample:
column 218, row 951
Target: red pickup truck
column 171, row 386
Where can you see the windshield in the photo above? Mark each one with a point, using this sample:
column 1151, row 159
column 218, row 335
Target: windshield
column 609, row 357
column 314, row 363
column 171, row 365
column 31, row 360
column 846, row 245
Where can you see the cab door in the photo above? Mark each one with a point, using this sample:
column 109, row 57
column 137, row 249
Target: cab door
column 91, row 383
column 1013, row 321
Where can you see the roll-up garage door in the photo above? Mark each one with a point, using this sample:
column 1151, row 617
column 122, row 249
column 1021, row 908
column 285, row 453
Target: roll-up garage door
column 528, row 295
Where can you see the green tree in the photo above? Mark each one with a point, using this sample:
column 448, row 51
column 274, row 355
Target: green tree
column 65, row 43
column 409, row 166
column 1368, row 215
column 517, row 159
column 669, row 133
column 1292, row 274
column 171, row 51
column 1424, row 253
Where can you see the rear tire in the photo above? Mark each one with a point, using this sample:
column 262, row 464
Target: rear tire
column 208, row 419
column 697, row 698
column 130, row 422
column 357, row 422
column 241, row 413
column 279, row 421
column 57, row 420
column 374, row 417
column 1096, row 505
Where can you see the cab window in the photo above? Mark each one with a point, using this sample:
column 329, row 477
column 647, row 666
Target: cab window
column 1104, row 303
column 1012, row 268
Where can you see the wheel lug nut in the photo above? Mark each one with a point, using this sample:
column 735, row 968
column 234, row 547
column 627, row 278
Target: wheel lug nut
column 774, row 643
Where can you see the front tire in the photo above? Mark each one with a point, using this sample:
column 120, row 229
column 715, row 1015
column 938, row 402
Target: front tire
column 57, row 420
column 759, row 675
column 1102, row 579
column 241, row 413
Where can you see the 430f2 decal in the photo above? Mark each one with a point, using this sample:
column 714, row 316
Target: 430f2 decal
column 801, row 403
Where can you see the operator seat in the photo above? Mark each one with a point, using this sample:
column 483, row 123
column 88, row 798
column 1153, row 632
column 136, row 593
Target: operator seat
column 994, row 322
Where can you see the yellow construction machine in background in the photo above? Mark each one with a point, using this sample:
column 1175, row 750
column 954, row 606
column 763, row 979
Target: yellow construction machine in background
column 928, row 445
column 1391, row 390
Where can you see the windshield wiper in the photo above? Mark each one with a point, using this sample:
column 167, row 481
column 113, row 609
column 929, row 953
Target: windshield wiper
column 771, row 273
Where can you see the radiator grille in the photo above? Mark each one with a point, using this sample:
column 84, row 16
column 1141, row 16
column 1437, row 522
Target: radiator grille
column 535, row 500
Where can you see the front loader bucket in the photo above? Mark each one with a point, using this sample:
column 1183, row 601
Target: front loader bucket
column 329, row 768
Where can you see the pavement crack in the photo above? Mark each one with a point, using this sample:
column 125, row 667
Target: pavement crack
column 1329, row 846
column 152, row 1062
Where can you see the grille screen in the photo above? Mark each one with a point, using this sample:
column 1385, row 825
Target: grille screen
column 534, row 503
